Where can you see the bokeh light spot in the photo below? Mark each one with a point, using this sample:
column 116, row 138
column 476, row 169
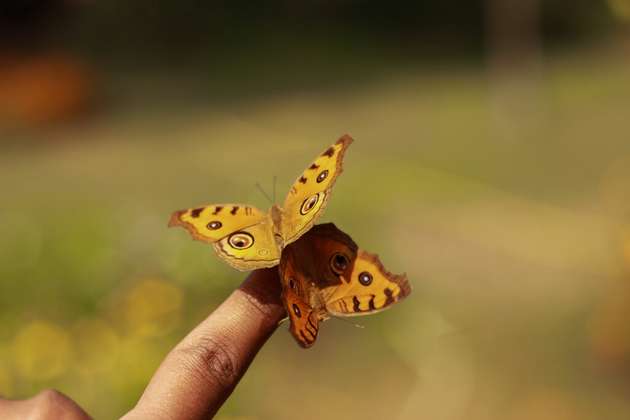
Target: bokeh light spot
column 620, row 8
column 42, row 351
column 152, row 308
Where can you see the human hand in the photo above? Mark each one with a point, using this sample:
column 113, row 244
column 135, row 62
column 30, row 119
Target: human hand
column 201, row 372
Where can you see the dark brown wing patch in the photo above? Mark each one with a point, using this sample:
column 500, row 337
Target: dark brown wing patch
column 330, row 152
column 314, row 251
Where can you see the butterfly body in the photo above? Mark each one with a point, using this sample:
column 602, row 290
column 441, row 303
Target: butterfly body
column 325, row 274
column 248, row 238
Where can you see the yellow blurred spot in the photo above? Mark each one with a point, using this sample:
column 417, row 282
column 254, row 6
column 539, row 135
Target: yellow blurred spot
column 41, row 351
column 620, row 8
column 152, row 308
column 6, row 383
column 97, row 346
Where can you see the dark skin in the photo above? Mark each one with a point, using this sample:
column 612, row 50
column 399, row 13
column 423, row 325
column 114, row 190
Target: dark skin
column 200, row 373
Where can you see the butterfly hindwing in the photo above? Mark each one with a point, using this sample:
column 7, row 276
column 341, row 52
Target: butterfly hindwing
column 304, row 321
column 250, row 248
column 369, row 288
column 325, row 274
column 310, row 193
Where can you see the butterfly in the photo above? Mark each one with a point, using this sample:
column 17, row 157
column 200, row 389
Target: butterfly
column 247, row 238
column 325, row 274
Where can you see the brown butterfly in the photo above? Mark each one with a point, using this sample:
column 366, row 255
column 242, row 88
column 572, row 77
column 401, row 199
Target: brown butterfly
column 324, row 274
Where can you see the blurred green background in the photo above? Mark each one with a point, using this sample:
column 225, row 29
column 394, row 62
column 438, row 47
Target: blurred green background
column 491, row 163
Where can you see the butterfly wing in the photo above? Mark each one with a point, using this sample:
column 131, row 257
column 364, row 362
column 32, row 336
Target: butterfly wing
column 250, row 248
column 241, row 235
column 367, row 288
column 245, row 237
column 296, row 270
column 310, row 193
column 304, row 321
column 324, row 273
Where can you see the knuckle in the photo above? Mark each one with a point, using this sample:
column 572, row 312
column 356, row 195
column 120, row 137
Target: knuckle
column 50, row 397
column 50, row 403
column 212, row 360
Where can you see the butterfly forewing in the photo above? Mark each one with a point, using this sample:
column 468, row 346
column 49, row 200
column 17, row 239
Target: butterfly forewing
column 310, row 192
column 213, row 222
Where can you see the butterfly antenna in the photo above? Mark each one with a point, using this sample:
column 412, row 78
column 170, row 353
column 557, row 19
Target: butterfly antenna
column 274, row 188
column 347, row 321
column 263, row 192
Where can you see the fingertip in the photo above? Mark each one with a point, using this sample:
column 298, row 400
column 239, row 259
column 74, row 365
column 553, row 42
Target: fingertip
column 263, row 290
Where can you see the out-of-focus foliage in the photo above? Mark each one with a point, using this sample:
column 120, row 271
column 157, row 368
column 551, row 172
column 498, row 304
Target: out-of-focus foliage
column 499, row 186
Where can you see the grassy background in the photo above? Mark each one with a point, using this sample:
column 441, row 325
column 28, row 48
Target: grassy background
column 505, row 199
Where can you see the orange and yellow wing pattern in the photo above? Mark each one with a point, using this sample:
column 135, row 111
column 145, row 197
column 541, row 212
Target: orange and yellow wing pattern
column 304, row 321
column 250, row 248
column 310, row 193
column 242, row 235
column 213, row 222
column 370, row 288
column 245, row 237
